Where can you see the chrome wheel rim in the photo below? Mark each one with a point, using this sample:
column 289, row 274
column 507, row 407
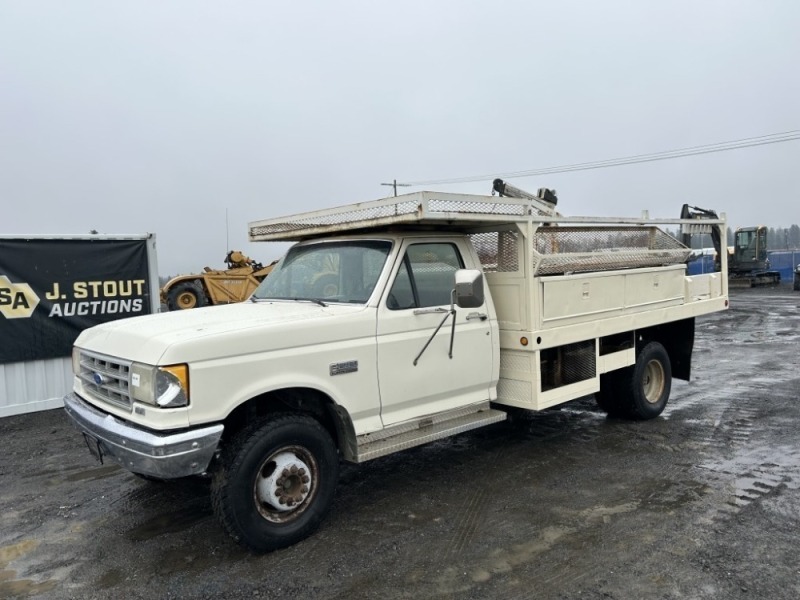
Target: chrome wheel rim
column 286, row 484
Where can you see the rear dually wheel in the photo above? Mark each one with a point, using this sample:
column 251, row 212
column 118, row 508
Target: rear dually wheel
column 641, row 391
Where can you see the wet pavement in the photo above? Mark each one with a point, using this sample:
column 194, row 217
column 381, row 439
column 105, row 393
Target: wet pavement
column 702, row 502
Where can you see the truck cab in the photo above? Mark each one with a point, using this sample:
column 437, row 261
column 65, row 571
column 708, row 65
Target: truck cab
column 749, row 250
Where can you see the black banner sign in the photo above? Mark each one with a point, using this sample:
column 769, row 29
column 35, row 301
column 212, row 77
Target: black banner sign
column 51, row 290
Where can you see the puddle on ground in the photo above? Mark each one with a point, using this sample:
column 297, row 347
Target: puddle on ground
column 59, row 470
column 766, row 466
column 98, row 473
column 181, row 560
column 604, row 512
column 10, row 586
column 171, row 522
column 502, row 560
column 13, row 552
column 668, row 496
column 110, row 579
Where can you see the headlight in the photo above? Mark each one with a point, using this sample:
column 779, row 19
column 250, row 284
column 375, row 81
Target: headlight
column 167, row 387
column 172, row 386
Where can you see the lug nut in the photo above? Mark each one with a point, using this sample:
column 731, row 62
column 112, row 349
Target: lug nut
column 305, row 479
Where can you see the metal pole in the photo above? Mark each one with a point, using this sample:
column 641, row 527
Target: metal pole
column 394, row 185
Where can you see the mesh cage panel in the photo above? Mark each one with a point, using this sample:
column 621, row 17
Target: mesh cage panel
column 580, row 249
column 486, row 208
column 497, row 250
column 337, row 218
column 567, row 364
column 437, row 208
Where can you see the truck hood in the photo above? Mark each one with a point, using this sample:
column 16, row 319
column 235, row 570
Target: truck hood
column 217, row 331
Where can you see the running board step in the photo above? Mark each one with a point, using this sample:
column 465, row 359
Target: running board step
column 426, row 430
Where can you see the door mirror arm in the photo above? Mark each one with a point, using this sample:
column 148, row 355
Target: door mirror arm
column 448, row 314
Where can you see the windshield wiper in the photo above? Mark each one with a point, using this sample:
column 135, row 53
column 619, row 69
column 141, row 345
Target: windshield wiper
column 314, row 300
column 255, row 300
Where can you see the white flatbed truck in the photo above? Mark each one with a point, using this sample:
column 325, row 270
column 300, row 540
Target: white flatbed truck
column 390, row 324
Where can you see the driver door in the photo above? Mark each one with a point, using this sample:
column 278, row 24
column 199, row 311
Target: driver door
column 416, row 301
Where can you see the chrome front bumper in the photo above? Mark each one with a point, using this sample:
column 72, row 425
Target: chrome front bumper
column 166, row 455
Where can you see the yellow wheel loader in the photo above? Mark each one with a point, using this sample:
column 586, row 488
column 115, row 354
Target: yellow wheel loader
column 212, row 286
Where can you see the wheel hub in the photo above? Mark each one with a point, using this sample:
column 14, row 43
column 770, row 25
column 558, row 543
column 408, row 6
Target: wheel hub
column 654, row 380
column 187, row 300
column 284, row 483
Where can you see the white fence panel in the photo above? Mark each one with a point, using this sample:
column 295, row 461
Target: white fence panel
column 34, row 385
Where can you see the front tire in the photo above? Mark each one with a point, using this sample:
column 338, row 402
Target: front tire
column 276, row 481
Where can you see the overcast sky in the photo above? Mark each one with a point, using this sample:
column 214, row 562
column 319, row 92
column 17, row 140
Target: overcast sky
column 132, row 117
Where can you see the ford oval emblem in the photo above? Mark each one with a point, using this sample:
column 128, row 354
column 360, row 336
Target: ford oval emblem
column 98, row 378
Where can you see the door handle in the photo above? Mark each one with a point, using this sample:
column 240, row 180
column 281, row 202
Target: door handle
column 477, row 315
column 430, row 311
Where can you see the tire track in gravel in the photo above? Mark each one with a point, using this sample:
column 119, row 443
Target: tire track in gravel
column 737, row 482
column 724, row 427
column 577, row 429
column 473, row 510
column 741, row 469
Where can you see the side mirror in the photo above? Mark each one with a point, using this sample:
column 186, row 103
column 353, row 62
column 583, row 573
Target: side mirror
column 469, row 288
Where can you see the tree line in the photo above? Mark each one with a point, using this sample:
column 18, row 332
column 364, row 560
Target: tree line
column 780, row 238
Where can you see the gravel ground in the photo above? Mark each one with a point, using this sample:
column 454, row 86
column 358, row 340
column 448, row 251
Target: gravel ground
column 702, row 502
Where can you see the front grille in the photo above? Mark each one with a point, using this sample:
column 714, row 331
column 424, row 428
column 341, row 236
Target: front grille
column 106, row 379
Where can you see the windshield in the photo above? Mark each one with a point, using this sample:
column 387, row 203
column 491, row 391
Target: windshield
column 328, row 271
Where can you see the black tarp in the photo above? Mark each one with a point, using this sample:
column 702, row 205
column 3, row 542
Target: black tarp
column 52, row 289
